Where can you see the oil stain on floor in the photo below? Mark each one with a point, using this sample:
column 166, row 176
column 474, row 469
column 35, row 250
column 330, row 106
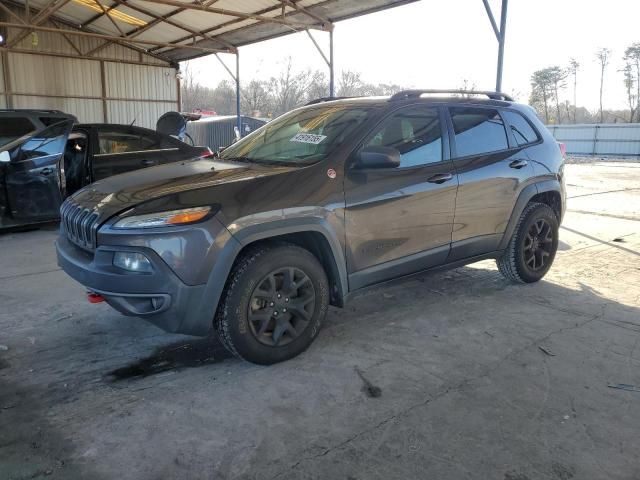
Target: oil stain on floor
column 175, row 356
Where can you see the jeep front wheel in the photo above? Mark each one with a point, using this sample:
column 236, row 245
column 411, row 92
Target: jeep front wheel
column 273, row 304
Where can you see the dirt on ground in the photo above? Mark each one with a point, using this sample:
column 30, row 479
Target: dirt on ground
column 452, row 375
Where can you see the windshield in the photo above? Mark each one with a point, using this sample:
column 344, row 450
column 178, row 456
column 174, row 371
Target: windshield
column 300, row 137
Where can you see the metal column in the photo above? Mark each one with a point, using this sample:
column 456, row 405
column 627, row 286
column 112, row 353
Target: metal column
column 239, row 118
column 331, row 74
column 503, row 32
column 500, row 36
column 328, row 61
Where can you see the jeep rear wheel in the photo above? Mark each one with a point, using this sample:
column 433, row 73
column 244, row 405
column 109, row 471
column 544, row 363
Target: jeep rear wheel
column 273, row 304
column 533, row 245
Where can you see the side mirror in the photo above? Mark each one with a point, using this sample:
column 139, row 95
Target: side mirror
column 378, row 157
column 5, row 157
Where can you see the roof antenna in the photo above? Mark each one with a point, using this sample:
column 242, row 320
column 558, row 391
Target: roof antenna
column 134, row 121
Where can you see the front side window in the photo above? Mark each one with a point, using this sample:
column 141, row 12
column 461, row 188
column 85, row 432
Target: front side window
column 50, row 141
column 521, row 128
column 300, row 137
column 415, row 132
column 111, row 142
column 478, row 131
column 13, row 128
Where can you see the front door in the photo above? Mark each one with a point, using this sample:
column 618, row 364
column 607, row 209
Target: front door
column 492, row 169
column 33, row 175
column 399, row 220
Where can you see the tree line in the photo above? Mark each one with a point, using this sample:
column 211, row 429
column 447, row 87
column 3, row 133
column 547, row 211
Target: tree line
column 549, row 87
column 276, row 95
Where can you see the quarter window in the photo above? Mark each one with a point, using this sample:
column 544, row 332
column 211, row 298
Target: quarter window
column 415, row 132
column 521, row 128
column 478, row 131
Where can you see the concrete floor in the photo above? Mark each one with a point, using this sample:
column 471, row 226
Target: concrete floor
column 456, row 375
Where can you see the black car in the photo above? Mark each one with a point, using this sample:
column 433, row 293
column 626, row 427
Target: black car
column 314, row 206
column 45, row 156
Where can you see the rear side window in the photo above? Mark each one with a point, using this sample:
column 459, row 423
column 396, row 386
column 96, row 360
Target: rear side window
column 478, row 131
column 111, row 142
column 521, row 128
column 415, row 132
column 12, row 128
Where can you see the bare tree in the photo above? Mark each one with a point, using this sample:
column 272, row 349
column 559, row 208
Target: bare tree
column 603, row 56
column 574, row 66
column 542, row 88
column 557, row 77
column 256, row 99
column 350, row 84
column 632, row 59
column 630, row 81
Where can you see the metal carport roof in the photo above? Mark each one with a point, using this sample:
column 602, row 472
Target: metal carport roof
column 177, row 30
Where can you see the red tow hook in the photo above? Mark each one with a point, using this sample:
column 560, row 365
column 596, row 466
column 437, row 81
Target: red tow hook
column 94, row 297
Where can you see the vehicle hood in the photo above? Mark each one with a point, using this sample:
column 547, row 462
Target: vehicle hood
column 173, row 184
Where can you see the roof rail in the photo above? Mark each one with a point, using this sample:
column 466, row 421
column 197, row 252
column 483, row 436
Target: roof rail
column 325, row 99
column 408, row 94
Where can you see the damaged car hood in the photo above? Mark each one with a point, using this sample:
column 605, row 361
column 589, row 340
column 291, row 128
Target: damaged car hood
column 176, row 184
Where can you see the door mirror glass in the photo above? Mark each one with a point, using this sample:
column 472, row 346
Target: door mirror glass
column 378, row 157
column 5, row 157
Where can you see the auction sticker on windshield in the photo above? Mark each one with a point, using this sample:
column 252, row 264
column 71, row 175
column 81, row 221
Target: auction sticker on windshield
column 308, row 138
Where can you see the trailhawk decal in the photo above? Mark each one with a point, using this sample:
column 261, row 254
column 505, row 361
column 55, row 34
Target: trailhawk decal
column 308, row 138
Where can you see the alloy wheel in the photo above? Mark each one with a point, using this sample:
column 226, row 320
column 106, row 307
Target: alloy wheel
column 281, row 306
column 538, row 245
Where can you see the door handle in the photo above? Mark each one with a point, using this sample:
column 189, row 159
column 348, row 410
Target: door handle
column 440, row 178
column 147, row 163
column 46, row 171
column 517, row 164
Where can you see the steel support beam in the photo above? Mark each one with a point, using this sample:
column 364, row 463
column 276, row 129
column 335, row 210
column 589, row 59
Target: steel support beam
column 500, row 36
column 239, row 118
column 331, row 63
column 503, row 32
column 114, row 38
column 329, row 60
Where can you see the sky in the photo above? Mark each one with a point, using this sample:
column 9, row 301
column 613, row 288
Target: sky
column 439, row 43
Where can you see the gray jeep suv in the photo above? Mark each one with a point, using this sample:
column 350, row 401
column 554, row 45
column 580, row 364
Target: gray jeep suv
column 323, row 201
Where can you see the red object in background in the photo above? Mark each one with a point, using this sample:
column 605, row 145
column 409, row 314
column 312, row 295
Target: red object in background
column 563, row 149
column 207, row 153
column 94, row 298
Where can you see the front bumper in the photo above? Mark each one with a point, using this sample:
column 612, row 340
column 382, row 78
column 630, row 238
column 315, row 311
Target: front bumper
column 160, row 297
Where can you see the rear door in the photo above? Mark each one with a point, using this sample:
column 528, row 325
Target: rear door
column 120, row 149
column 492, row 170
column 32, row 177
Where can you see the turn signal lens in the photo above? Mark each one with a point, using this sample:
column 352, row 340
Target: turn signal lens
column 163, row 219
column 188, row 217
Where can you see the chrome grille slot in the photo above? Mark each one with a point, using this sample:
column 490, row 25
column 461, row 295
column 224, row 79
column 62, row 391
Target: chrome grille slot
column 80, row 224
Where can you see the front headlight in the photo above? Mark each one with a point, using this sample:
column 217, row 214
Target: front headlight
column 162, row 219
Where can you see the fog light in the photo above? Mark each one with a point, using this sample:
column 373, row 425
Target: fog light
column 132, row 261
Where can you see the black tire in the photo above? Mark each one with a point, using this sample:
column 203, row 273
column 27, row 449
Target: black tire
column 531, row 250
column 250, row 326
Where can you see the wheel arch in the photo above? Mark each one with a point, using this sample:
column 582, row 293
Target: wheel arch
column 547, row 192
column 314, row 234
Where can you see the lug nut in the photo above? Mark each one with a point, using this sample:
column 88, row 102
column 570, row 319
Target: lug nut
column 286, row 299
column 284, row 310
column 275, row 313
column 271, row 304
column 279, row 296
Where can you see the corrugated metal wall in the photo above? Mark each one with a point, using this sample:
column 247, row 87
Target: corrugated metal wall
column 43, row 73
column 217, row 132
column 599, row 139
